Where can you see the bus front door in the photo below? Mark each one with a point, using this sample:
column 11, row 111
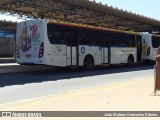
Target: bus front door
column 71, row 38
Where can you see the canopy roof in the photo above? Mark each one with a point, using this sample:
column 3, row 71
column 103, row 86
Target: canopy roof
column 80, row 11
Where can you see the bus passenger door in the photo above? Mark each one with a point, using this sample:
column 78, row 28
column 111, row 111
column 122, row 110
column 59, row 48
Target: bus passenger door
column 139, row 48
column 105, row 50
column 71, row 38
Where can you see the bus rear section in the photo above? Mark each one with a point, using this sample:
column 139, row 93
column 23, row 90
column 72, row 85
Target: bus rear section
column 150, row 45
column 30, row 42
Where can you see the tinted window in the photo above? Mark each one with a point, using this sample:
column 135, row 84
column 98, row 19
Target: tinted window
column 84, row 37
column 122, row 40
column 131, row 41
column 116, row 40
column 71, row 37
column 55, row 35
column 104, row 41
column 155, row 41
column 95, row 38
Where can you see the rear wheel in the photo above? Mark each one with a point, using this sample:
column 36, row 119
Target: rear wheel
column 88, row 63
column 130, row 60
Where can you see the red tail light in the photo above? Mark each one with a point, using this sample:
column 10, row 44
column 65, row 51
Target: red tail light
column 41, row 50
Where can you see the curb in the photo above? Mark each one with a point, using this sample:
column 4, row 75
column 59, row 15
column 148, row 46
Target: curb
column 15, row 68
column 7, row 60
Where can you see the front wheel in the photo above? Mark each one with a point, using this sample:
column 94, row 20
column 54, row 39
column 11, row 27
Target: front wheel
column 88, row 63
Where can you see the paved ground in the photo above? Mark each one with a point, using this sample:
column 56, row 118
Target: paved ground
column 30, row 85
column 132, row 95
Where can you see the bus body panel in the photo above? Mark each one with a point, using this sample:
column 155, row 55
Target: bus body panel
column 59, row 55
column 94, row 51
column 29, row 42
column 55, row 55
column 120, row 55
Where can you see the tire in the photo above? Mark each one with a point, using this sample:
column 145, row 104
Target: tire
column 130, row 60
column 88, row 63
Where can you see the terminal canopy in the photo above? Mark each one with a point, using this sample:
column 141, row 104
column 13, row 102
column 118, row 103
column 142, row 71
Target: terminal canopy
column 80, row 11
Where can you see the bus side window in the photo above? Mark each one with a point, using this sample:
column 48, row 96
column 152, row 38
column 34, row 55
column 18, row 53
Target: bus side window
column 156, row 41
column 57, row 37
column 84, row 37
column 104, row 40
column 115, row 40
column 71, row 37
column 95, row 39
column 55, row 34
column 122, row 40
column 131, row 41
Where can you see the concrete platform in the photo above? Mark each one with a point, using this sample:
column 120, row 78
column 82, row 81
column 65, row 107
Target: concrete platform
column 133, row 95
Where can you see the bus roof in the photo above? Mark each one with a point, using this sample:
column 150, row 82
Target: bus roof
column 92, row 27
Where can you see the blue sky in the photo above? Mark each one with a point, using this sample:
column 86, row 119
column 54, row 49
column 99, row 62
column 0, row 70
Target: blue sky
column 149, row 8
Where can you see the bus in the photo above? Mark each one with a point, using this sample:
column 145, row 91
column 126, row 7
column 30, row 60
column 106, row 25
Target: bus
column 43, row 42
column 150, row 44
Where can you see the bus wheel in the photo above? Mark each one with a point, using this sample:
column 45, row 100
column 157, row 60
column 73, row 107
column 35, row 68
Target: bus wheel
column 88, row 63
column 130, row 60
